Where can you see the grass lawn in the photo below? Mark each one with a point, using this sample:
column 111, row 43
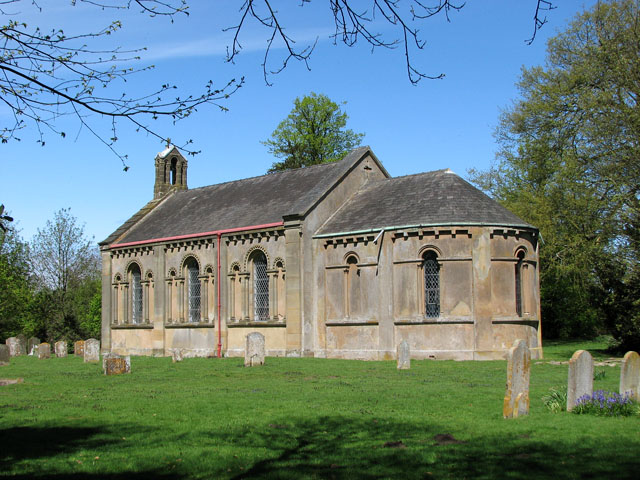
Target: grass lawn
column 302, row 418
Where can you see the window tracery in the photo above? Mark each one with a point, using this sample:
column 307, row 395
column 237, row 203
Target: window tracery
column 430, row 284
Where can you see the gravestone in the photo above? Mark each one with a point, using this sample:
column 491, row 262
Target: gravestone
column 44, row 350
column 177, row 355
column 580, row 377
column 516, row 398
column 404, row 356
column 630, row 375
column 61, row 348
column 5, row 354
column 254, row 352
column 34, row 350
column 22, row 341
column 13, row 345
column 10, row 381
column 78, row 348
column 116, row 365
column 33, row 342
column 91, row 350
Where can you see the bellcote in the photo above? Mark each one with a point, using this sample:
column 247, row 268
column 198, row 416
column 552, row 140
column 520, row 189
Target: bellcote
column 171, row 172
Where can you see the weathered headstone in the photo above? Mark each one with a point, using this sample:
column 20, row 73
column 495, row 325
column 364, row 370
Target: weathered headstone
column 516, row 398
column 34, row 350
column 22, row 341
column 116, row 365
column 33, row 342
column 404, row 356
column 630, row 375
column 10, row 381
column 78, row 348
column 580, row 377
column 61, row 348
column 91, row 350
column 13, row 345
column 177, row 355
column 44, row 350
column 254, row 352
column 5, row 354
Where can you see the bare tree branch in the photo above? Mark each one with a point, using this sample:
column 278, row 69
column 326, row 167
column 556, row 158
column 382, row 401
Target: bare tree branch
column 538, row 19
column 45, row 76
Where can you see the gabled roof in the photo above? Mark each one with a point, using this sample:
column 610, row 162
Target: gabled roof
column 433, row 198
column 241, row 203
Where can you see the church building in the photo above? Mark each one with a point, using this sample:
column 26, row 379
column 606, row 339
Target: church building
column 338, row 260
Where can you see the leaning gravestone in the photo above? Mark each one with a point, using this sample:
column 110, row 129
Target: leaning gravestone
column 44, row 350
column 630, row 375
column 91, row 350
column 31, row 344
column 78, row 348
column 116, row 365
column 61, row 348
column 580, row 377
column 254, row 352
column 516, row 398
column 404, row 356
column 5, row 354
column 22, row 341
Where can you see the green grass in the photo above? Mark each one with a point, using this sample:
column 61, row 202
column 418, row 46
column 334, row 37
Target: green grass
column 300, row 418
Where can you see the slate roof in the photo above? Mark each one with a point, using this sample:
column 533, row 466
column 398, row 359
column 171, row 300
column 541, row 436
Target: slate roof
column 242, row 203
column 433, row 198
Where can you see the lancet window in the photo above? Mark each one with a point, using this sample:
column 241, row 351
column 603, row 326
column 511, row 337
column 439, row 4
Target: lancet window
column 431, row 284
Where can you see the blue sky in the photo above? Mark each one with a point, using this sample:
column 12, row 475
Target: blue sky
column 446, row 123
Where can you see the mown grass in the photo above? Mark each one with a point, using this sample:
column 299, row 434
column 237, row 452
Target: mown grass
column 300, row 418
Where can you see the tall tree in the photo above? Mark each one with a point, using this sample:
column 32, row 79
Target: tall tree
column 66, row 265
column 314, row 132
column 15, row 283
column 569, row 164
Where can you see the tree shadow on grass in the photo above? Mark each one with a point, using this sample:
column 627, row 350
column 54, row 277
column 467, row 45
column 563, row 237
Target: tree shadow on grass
column 344, row 448
column 31, row 443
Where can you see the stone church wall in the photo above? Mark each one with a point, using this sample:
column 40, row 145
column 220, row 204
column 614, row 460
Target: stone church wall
column 364, row 309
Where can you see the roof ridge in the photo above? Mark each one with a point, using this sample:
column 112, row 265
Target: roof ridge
column 269, row 174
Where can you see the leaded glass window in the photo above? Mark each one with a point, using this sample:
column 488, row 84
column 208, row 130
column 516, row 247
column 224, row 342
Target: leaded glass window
column 136, row 296
column 431, row 285
column 194, row 292
column 260, row 287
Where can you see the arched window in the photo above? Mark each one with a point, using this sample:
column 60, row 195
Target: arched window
column 518, row 281
column 352, row 287
column 279, row 290
column 135, row 280
column 193, row 289
column 260, row 286
column 174, row 170
column 431, row 272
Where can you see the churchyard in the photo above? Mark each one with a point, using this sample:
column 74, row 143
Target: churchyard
column 304, row 418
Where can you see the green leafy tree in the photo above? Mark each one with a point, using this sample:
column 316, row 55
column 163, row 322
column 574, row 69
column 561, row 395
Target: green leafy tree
column 66, row 265
column 15, row 283
column 314, row 132
column 569, row 164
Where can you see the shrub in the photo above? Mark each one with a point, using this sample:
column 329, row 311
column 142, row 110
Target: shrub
column 556, row 399
column 606, row 403
column 599, row 374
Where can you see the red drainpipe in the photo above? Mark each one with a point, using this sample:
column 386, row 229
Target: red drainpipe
column 219, row 304
column 218, row 233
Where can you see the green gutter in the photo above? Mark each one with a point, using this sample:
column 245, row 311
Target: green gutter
column 422, row 225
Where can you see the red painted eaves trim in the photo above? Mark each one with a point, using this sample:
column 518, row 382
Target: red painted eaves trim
column 196, row 235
